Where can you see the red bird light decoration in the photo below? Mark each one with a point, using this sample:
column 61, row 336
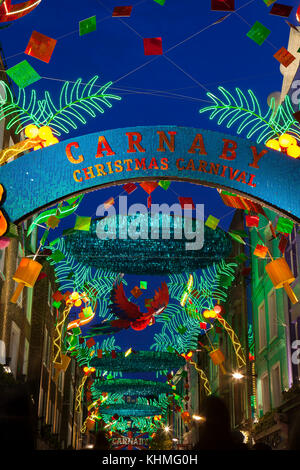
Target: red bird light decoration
column 129, row 314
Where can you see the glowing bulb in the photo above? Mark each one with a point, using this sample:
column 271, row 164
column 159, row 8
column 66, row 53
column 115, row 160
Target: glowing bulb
column 209, row 314
column 78, row 303
column 237, row 375
column 293, row 151
column 45, row 133
column 273, row 144
column 74, row 296
column 198, row 418
column 31, row 131
column 167, row 428
column 285, row 140
column 86, row 370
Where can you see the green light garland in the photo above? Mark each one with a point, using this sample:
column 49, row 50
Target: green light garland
column 131, row 387
column 249, row 117
column 73, row 104
column 150, row 256
column 146, row 361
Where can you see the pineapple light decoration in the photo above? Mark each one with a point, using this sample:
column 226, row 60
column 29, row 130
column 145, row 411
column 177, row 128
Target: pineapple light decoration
column 286, row 144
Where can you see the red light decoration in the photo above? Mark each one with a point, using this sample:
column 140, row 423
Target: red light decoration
column 9, row 12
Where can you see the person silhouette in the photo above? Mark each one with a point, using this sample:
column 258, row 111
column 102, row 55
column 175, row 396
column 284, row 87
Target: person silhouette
column 215, row 433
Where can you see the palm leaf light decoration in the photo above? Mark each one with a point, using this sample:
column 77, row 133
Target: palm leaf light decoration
column 19, row 111
column 245, row 112
column 75, row 104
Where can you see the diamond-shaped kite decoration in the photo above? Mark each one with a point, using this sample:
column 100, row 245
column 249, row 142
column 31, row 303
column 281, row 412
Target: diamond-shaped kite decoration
column 260, row 251
column 40, row 47
column 284, row 57
column 164, row 184
column 136, row 292
column 222, row 5
column 153, row 46
column 109, row 202
column 283, row 244
column 23, row 74
column 82, row 223
column 186, row 201
column 148, row 302
column 87, row 26
column 281, row 10
column 56, row 304
column 212, row 222
column 258, row 33
column 161, row 2
column 143, row 285
column 57, row 296
column 90, row 342
column 284, row 225
column 124, row 11
column 57, row 256
column 252, row 220
column 129, row 187
column 241, row 258
column 76, row 331
column 148, row 186
column 52, row 221
column 269, row 2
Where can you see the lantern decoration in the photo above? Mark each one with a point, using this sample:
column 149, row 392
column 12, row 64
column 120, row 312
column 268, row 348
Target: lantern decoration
column 62, row 366
column 218, row 358
column 286, row 144
column 26, row 275
column 186, row 417
column 90, row 424
column 281, row 276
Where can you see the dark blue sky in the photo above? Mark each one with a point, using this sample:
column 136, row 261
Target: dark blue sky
column 167, row 89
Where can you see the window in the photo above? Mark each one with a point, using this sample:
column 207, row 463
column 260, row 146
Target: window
column 262, row 326
column 2, row 259
column 260, row 267
column 46, row 349
column 41, row 395
column 19, row 257
column 14, row 347
column 265, row 392
column 276, row 385
column 29, row 304
column 26, row 356
column 272, row 310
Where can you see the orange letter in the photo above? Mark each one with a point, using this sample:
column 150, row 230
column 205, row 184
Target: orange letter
column 177, row 163
column 103, row 146
column 75, row 177
column 132, row 143
column 227, row 149
column 163, row 138
column 256, row 157
column 198, row 144
column 69, row 153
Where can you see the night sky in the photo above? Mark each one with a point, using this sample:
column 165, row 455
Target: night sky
column 198, row 56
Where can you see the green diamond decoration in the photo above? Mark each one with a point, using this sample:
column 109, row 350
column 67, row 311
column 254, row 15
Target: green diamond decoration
column 76, row 331
column 83, row 223
column 23, row 74
column 269, row 2
column 212, row 222
column 87, row 26
column 241, row 258
column 164, row 184
column 258, row 33
column 284, row 225
column 56, row 304
column 161, row 2
column 143, row 285
column 57, row 256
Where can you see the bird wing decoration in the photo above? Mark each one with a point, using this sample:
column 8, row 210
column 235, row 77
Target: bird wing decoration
column 121, row 306
column 160, row 300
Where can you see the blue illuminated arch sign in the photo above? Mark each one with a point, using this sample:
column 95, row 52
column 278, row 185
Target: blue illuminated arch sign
column 43, row 177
